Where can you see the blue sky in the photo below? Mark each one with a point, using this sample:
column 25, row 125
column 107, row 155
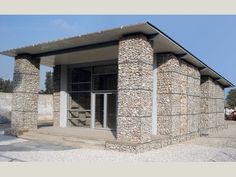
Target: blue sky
column 210, row 38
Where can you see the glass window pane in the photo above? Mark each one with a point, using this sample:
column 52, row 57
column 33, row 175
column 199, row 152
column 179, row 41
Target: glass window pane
column 99, row 108
column 79, row 118
column 80, row 101
column 81, row 75
column 74, row 87
column 74, row 101
column 105, row 69
column 111, row 111
column 105, row 82
column 80, row 87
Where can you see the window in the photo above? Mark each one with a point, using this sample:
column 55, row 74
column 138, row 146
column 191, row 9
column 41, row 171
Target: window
column 107, row 69
column 105, row 77
column 105, row 82
column 80, row 87
column 80, row 101
column 82, row 82
column 79, row 75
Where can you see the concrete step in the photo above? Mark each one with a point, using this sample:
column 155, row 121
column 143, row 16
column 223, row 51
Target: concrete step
column 75, row 142
column 86, row 134
column 65, row 134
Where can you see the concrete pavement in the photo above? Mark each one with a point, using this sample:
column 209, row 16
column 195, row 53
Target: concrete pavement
column 216, row 147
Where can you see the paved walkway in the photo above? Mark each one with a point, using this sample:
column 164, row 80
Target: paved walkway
column 216, row 147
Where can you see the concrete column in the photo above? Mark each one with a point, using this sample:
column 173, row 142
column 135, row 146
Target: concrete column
column 154, row 97
column 135, row 84
column 63, row 97
column 56, row 95
column 25, row 96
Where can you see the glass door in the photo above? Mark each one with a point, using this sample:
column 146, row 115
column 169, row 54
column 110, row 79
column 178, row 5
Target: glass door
column 99, row 111
column 92, row 96
column 79, row 101
column 111, row 111
column 104, row 110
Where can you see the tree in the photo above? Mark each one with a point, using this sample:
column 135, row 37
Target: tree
column 6, row 85
column 231, row 98
column 49, row 83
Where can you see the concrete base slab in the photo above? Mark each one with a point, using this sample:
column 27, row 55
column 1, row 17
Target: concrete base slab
column 74, row 137
column 157, row 142
column 103, row 139
column 220, row 146
column 85, row 133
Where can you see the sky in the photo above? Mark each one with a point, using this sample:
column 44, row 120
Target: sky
column 211, row 38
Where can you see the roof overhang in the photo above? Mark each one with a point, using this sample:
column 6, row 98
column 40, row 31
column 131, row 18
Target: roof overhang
column 105, row 44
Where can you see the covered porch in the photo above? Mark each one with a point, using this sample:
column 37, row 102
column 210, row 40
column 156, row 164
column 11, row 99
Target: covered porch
column 101, row 81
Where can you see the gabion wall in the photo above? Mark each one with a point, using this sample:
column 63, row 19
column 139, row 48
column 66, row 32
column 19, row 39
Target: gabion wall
column 56, row 94
column 212, row 105
column 178, row 97
column 25, row 97
column 135, row 65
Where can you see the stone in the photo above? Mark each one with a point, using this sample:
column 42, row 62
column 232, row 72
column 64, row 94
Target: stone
column 183, row 124
column 178, row 97
column 135, row 48
column 212, row 105
column 164, row 125
column 164, row 104
column 168, row 63
column 26, row 64
column 135, row 65
column 25, row 82
column 26, row 87
column 25, row 102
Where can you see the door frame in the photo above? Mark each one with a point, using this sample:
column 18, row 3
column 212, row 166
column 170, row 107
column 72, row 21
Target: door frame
column 93, row 109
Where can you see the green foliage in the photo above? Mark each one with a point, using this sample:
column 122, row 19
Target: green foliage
column 49, row 83
column 231, row 99
column 6, row 85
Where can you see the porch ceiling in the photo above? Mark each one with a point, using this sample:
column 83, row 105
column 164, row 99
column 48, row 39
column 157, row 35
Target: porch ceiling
column 103, row 45
column 91, row 55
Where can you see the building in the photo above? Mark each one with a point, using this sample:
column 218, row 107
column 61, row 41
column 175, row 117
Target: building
column 134, row 80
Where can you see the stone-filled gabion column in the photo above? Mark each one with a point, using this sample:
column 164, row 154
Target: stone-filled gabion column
column 25, row 96
column 56, row 94
column 212, row 105
column 178, row 98
column 135, row 66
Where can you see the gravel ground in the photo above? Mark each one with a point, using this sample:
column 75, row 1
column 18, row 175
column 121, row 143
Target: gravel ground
column 216, row 147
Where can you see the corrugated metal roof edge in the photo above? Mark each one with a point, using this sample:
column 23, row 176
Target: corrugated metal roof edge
column 205, row 65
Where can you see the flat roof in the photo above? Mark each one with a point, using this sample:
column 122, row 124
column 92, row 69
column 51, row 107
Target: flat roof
column 82, row 43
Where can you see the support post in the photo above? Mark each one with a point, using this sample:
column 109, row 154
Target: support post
column 135, row 84
column 25, row 95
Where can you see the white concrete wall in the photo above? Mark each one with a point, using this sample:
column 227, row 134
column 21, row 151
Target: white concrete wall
column 45, row 107
column 5, row 106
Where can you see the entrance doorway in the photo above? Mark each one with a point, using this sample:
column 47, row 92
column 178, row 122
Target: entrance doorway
column 92, row 94
column 104, row 110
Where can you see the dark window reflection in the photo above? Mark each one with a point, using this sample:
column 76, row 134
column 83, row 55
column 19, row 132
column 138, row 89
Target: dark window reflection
column 81, row 75
column 80, row 101
column 105, row 82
